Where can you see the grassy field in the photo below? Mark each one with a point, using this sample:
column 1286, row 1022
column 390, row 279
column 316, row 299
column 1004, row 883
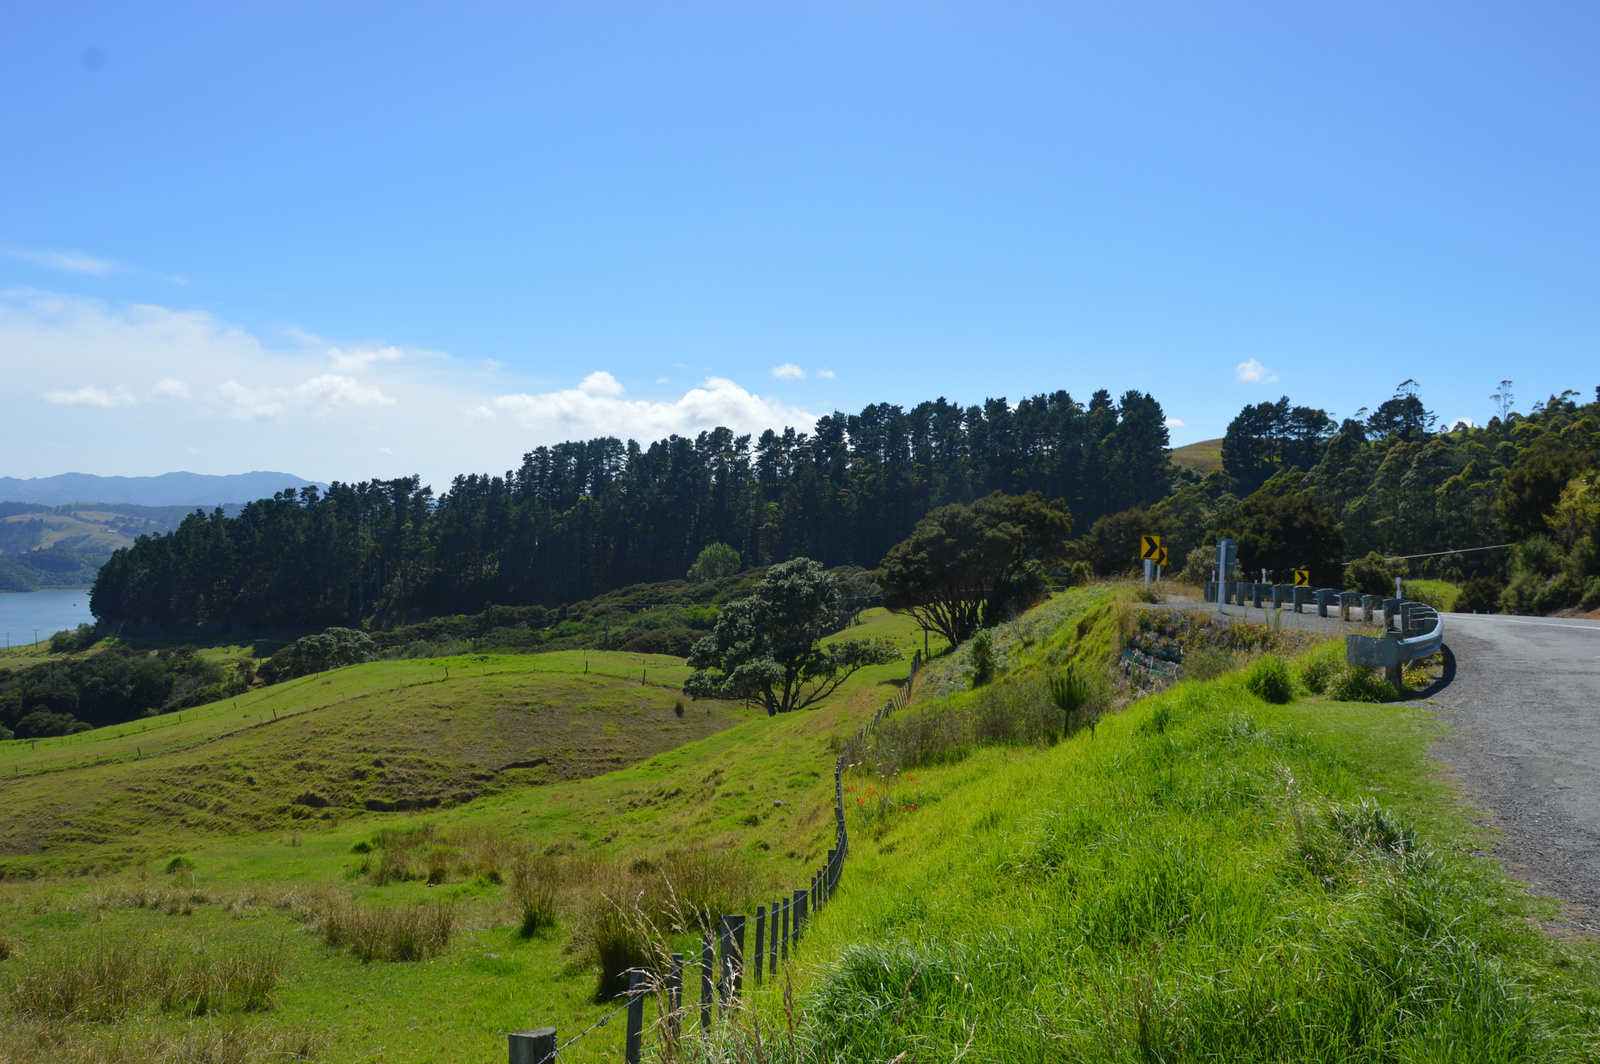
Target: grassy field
column 1203, row 457
column 1201, row 876
column 100, row 821
column 1206, row 876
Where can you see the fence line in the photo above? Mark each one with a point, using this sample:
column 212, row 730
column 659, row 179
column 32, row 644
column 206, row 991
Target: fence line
column 777, row 929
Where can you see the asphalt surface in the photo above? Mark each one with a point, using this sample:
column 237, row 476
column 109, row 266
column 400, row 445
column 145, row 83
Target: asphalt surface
column 1522, row 695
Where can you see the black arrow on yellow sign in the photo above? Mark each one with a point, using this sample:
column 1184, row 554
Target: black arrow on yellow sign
column 1149, row 547
column 1161, row 556
column 1302, row 578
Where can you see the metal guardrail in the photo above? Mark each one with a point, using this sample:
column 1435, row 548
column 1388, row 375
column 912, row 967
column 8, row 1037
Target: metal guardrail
column 1420, row 632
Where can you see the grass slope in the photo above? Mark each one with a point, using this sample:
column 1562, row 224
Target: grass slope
column 1203, row 457
column 379, row 737
column 719, row 794
column 1208, row 877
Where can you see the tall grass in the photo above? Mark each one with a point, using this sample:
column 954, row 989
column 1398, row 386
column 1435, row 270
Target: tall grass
column 103, row 981
column 1212, row 878
column 413, row 933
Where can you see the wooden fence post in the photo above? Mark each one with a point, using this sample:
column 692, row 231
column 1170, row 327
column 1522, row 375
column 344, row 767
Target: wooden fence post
column 675, row 997
column 787, row 933
column 799, row 913
column 533, row 1047
column 761, row 942
column 772, row 942
column 707, row 959
column 732, row 959
column 635, row 1043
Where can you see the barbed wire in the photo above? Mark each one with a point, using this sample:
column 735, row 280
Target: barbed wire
column 596, row 1025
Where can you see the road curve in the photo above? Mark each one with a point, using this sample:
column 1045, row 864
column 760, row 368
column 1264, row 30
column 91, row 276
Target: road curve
column 1524, row 703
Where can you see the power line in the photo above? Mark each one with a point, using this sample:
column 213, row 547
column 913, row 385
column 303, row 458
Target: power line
column 1440, row 553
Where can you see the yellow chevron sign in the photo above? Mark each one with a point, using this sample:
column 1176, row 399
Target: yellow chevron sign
column 1302, row 578
column 1161, row 556
column 1149, row 548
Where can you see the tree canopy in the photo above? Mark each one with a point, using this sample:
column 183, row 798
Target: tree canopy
column 767, row 647
column 960, row 558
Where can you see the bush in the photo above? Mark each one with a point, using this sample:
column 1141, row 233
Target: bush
column 330, row 649
column 982, row 657
column 179, row 864
column 1318, row 673
column 715, row 562
column 6, row 733
column 1374, row 574
column 80, row 638
column 1269, row 680
column 1480, row 594
column 1357, row 683
column 674, row 641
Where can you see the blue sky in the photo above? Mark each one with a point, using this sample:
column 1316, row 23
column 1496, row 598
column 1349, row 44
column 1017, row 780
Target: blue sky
column 353, row 240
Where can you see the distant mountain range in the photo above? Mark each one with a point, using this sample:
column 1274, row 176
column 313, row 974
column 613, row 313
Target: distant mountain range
column 168, row 489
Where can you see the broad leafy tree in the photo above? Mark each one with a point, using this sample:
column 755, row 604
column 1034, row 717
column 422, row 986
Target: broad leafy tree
column 768, row 647
column 1281, row 533
column 959, row 558
column 716, row 561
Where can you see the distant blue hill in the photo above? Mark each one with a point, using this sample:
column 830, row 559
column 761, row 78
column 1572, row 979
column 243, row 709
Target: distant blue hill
column 168, row 489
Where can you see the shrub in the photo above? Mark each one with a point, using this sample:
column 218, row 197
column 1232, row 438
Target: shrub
column 1357, row 683
column 1318, row 673
column 674, row 641
column 6, row 733
column 1374, row 574
column 179, row 864
column 330, row 649
column 1480, row 594
column 1269, row 680
column 982, row 657
column 619, row 942
column 6, row 948
column 716, row 561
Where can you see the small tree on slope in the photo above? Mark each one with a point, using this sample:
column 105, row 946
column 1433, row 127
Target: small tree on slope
column 767, row 648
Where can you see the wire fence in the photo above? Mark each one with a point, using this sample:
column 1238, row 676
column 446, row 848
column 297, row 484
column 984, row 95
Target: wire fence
column 723, row 965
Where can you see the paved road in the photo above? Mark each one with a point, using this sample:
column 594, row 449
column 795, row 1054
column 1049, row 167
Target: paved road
column 1524, row 700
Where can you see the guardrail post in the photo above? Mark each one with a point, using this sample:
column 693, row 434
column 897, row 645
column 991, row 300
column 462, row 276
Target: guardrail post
column 1256, row 592
column 533, row 1047
column 1390, row 608
column 761, row 941
column 1368, row 604
column 635, row 1041
column 1211, row 591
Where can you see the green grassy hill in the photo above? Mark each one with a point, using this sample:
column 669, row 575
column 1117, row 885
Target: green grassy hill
column 1203, row 457
column 1202, row 876
column 99, row 817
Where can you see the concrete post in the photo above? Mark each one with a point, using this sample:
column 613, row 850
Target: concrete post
column 1256, row 593
column 1324, row 597
column 533, row 1047
column 1280, row 592
column 1368, row 604
column 1390, row 608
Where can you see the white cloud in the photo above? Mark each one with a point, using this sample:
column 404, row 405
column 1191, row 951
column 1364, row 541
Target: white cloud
column 663, row 380
column 1175, row 423
column 385, row 450
column 1254, row 372
column 72, row 261
column 91, row 397
column 1462, row 423
column 289, row 403
column 361, row 358
column 828, row 373
column 574, row 413
column 788, row 372
column 601, row 383
column 327, row 390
